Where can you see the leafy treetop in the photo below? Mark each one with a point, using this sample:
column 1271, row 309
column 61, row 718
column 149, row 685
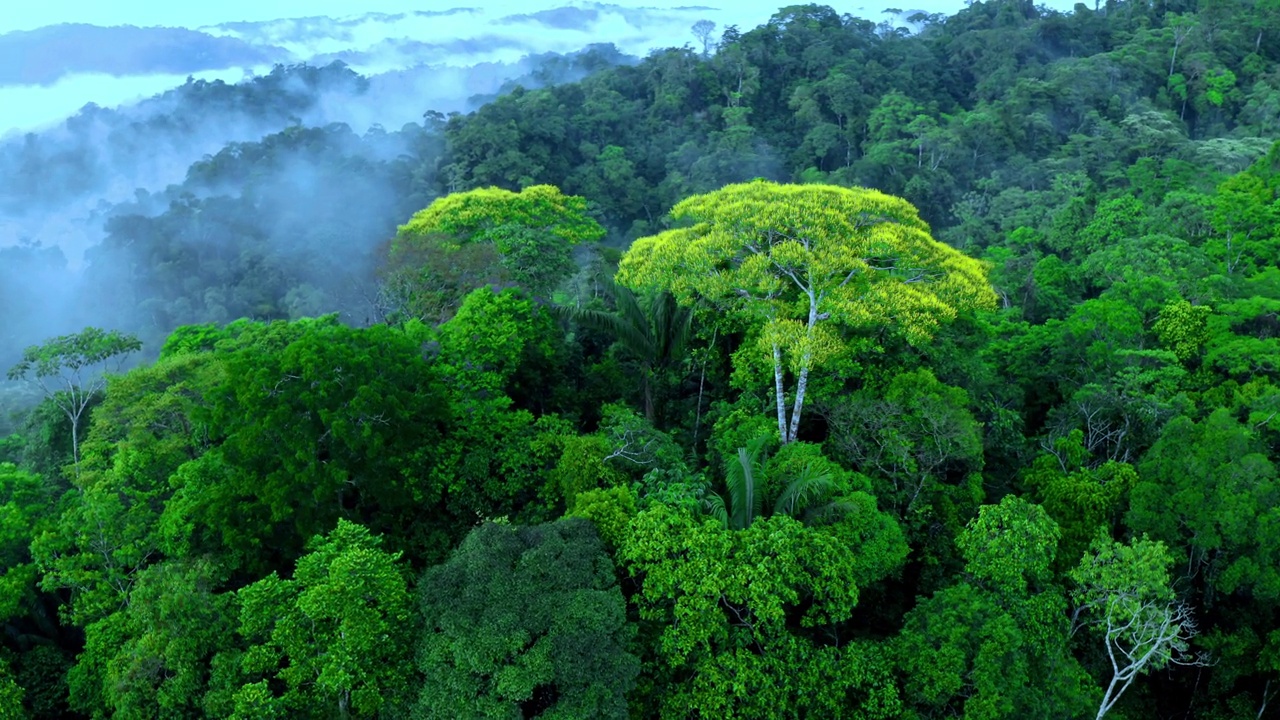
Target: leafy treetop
column 798, row 261
column 533, row 230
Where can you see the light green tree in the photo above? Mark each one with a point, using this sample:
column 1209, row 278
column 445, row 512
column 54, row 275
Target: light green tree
column 1183, row 328
column 534, row 231
column 801, row 262
column 1123, row 593
column 70, row 369
column 337, row 635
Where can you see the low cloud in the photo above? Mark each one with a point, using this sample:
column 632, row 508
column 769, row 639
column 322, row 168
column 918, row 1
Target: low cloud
column 123, row 65
column 46, row 55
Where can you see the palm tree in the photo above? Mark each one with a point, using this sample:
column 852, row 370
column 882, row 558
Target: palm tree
column 654, row 329
column 744, row 480
column 813, row 496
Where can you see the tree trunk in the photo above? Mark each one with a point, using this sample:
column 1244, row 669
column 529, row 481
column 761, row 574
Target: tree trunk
column 803, row 381
column 75, row 443
column 702, row 376
column 1107, row 700
column 74, row 410
column 647, row 386
column 781, row 396
column 795, row 413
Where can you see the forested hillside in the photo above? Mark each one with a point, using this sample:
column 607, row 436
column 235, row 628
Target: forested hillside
column 822, row 369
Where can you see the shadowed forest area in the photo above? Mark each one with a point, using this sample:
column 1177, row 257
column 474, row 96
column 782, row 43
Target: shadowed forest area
column 823, row 369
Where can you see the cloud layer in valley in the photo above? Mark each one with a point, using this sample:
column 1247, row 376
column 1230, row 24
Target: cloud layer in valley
column 42, row 86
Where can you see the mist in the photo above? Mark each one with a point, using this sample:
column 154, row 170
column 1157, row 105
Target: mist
column 100, row 125
column 257, row 168
column 263, row 187
column 147, row 61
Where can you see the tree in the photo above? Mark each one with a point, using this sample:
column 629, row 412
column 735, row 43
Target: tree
column 144, row 430
column 654, row 329
column 1208, row 491
column 1083, row 497
column 913, row 434
column 26, row 511
column 1123, row 591
column 313, row 421
column 152, row 657
column 337, row 635
column 428, row 279
column 11, row 695
column 1246, row 217
column 70, row 370
column 1183, row 328
column 702, row 30
column 534, row 231
column 1180, row 27
column 811, row 493
column 1010, row 547
column 801, row 261
column 525, row 622
column 501, row 358
column 996, row 644
column 749, row 622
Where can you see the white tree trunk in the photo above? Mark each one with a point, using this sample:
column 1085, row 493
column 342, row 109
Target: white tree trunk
column 803, row 381
column 795, row 412
column 781, row 396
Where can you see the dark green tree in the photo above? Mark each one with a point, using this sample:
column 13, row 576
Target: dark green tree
column 525, row 622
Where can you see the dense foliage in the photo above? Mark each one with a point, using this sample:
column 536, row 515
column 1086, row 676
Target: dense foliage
column 830, row 370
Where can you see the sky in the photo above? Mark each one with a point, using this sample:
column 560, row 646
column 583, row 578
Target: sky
column 31, row 15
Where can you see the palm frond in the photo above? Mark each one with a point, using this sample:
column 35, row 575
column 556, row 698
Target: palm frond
column 812, row 486
column 630, row 310
column 713, row 505
column 829, row 512
column 635, row 339
column 672, row 326
column 628, row 323
column 743, row 474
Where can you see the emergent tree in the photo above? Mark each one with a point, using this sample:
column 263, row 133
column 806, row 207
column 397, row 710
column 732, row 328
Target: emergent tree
column 797, row 262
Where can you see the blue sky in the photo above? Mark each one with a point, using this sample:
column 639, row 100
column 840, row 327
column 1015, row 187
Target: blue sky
column 29, row 15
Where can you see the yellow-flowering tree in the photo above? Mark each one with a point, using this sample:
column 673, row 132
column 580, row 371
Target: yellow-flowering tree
column 801, row 262
column 533, row 231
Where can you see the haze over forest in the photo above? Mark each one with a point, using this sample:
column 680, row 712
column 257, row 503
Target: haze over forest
column 675, row 361
column 161, row 104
